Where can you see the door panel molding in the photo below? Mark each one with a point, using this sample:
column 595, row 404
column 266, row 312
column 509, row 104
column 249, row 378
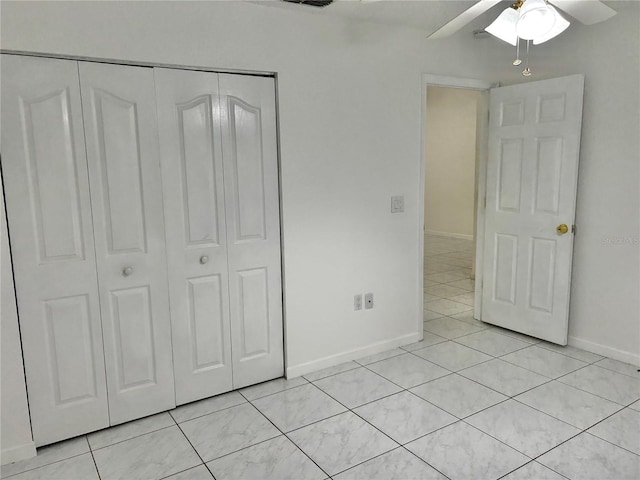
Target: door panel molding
column 44, row 170
column 126, row 195
column 546, row 185
column 250, row 156
column 194, row 205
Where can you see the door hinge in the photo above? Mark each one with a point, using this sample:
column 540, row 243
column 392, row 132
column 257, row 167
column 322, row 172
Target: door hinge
column 485, row 201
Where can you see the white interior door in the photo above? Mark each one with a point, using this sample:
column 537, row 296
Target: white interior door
column 126, row 194
column 250, row 160
column 44, row 171
column 532, row 171
column 191, row 151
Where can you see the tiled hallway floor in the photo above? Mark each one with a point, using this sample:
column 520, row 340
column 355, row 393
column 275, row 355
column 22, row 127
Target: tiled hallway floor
column 469, row 402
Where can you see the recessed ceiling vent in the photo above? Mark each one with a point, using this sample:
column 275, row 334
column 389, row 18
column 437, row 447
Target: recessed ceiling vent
column 311, row 3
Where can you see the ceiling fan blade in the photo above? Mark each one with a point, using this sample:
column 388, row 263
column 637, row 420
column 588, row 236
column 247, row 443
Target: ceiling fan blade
column 463, row 19
column 586, row 11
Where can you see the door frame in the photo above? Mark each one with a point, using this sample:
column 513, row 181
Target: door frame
column 482, row 148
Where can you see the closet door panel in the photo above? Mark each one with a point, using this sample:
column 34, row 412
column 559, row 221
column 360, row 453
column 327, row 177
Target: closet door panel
column 49, row 211
column 124, row 170
column 248, row 119
column 190, row 140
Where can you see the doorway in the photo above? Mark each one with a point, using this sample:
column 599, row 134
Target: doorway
column 454, row 132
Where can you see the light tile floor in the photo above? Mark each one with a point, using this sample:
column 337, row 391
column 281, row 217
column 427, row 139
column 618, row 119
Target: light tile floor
column 470, row 401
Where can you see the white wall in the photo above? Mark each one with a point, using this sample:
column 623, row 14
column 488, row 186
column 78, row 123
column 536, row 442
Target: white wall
column 15, row 434
column 350, row 129
column 450, row 160
column 350, row 100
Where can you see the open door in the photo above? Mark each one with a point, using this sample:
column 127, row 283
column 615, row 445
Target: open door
column 532, row 173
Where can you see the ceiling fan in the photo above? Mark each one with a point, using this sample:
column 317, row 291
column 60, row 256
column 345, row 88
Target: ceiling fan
column 587, row 12
column 535, row 21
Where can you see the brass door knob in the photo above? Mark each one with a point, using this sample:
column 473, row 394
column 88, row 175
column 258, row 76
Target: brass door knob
column 562, row 229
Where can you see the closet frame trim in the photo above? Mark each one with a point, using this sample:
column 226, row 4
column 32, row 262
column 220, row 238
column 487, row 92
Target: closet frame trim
column 80, row 58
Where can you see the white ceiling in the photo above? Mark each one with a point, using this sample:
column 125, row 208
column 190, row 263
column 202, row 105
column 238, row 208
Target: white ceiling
column 426, row 15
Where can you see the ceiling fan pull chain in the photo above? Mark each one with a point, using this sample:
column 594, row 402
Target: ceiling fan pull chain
column 517, row 61
column 527, row 71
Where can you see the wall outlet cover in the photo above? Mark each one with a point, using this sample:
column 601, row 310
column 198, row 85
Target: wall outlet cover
column 368, row 301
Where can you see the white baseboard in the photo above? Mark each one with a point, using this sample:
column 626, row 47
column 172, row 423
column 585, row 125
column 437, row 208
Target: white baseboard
column 332, row 360
column 447, row 234
column 599, row 349
column 15, row 454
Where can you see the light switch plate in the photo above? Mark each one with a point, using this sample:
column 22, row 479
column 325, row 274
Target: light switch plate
column 397, row 204
column 357, row 302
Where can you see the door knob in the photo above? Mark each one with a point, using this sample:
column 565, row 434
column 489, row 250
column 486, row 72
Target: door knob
column 204, row 259
column 126, row 271
column 562, row 229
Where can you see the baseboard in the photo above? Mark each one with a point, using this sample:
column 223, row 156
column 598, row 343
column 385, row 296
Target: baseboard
column 447, row 234
column 15, row 454
column 332, row 360
column 599, row 349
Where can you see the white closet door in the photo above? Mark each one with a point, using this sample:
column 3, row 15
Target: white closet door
column 124, row 171
column 190, row 142
column 47, row 196
column 250, row 160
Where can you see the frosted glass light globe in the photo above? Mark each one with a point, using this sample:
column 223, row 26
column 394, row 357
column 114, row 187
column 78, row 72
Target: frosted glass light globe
column 536, row 19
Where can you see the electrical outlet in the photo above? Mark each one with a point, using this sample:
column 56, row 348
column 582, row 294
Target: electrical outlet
column 368, row 301
column 357, row 302
column 397, row 204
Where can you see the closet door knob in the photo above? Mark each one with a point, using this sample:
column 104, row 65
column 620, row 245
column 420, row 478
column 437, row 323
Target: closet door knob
column 204, row 259
column 126, row 271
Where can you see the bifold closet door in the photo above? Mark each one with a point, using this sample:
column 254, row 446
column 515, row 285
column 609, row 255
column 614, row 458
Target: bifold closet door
column 250, row 158
column 126, row 194
column 190, row 142
column 49, row 211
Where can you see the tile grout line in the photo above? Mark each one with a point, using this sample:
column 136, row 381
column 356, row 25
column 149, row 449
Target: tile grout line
column 373, row 426
column 403, row 389
column 204, row 414
column 587, row 391
column 595, row 364
column 202, row 462
column 604, row 439
column 520, row 349
column 442, row 366
column 130, row 438
column 581, row 431
column 287, row 436
column 273, row 393
column 529, row 463
column 95, row 464
column 538, row 343
column 186, row 470
column 50, row 463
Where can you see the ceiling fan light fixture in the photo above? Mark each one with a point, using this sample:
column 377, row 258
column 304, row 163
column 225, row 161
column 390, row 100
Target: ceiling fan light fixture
column 504, row 27
column 559, row 26
column 536, row 19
